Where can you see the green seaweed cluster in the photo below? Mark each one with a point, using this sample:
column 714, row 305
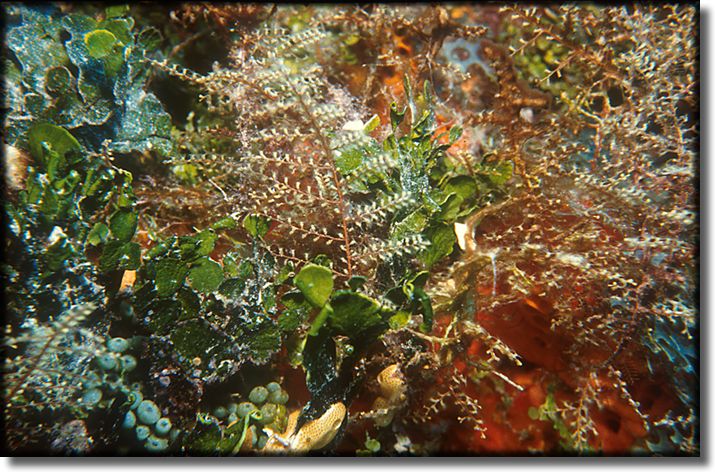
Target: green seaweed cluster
column 307, row 247
column 92, row 84
column 79, row 107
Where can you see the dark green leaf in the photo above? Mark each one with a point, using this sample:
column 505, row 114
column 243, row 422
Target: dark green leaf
column 204, row 438
column 123, row 224
column 319, row 356
column 427, row 313
column 419, row 279
column 501, row 173
column 353, row 313
column 413, row 223
column 231, row 263
column 265, row 341
column 194, row 338
column 323, row 260
column 149, row 39
column 120, row 255
column 232, row 288
column 161, row 248
column 450, row 208
column 399, row 320
column 347, row 160
column 200, row 244
column 442, row 239
column 205, row 275
column 295, row 312
column 98, row 234
column 113, row 64
column 462, row 185
column 190, row 304
column 170, row 275
column 58, row 80
column 356, row 282
column 121, row 28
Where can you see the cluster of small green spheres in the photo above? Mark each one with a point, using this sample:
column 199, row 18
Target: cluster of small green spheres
column 266, row 407
column 229, row 413
column 144, row 415
column 112, row 364
column 114, row 359
column 266, row 404
column 265, row 399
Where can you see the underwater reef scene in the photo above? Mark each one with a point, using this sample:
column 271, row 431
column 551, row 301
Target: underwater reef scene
column 374, row 230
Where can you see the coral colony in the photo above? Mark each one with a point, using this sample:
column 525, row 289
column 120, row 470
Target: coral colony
column 240, row 229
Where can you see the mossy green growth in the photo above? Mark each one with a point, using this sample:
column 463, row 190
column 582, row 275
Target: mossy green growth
column 195, row 339
column 185, row 295
column 118, row 255
column 170, row 275
column 295, row 312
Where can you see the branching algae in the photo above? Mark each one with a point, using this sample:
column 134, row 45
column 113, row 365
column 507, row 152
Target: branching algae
column 282, row 230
